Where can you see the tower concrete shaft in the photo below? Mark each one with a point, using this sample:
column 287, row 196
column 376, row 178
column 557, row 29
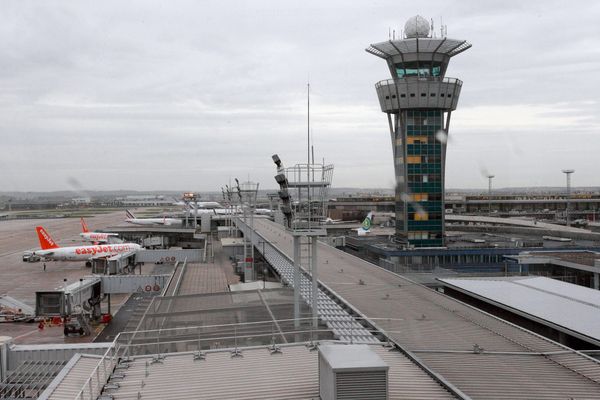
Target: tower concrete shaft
column 419, row 101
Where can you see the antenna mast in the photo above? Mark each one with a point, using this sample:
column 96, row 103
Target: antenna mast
column 308, row 148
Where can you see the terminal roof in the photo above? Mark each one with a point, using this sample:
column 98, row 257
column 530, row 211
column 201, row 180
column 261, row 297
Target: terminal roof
column 68, row 383
column 567, row 307
column 442, row 332
column 259, row 374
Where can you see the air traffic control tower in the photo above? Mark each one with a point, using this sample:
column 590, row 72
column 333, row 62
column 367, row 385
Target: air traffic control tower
column 418, row 101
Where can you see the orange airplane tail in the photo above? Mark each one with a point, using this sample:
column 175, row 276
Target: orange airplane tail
column 46, row 241
column 84, row 226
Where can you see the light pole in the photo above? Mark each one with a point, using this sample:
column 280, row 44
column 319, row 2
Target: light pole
column 265, row 269
column 568, row 173
column 490, row 177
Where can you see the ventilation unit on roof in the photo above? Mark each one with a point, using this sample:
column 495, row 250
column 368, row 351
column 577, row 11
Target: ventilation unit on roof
column 351, row 372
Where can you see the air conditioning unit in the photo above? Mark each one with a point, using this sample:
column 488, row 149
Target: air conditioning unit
column 351, row 372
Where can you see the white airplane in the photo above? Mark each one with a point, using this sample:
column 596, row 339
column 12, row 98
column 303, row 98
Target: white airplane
column 51, row 251
column 329, row 221
column 200, row 204
column 215, row 211
column 96, row 237
column 152, row 221
column 366, row 225
column 263, row 211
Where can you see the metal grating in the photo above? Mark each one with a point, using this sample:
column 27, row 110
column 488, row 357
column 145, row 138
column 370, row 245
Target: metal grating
column 361, row 385
column 337, row 319
column 390, row 48
column 30, row 379
column 218, row 320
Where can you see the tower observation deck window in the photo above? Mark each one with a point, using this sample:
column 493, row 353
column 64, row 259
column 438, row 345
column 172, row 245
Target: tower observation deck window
column 421, row 70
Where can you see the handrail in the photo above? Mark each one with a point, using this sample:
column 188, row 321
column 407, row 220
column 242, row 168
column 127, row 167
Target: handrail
column 166, row 288
column 92, row 387
column 180, row 278
column 387, row 82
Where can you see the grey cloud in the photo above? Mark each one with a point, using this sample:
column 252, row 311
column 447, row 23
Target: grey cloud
column 184, row 95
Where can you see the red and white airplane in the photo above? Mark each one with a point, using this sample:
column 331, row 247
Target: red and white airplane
column 52, row 251
column 96, row 237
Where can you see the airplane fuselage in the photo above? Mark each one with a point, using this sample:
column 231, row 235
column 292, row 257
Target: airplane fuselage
column 155, row 221
column 99, row 237
column 84, row 253
column 200, row 204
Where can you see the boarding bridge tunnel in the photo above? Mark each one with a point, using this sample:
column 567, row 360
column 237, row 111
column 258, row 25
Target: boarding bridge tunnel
column 89, row 290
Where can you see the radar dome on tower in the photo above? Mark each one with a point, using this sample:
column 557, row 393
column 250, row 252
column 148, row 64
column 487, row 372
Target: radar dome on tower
column 416, row 27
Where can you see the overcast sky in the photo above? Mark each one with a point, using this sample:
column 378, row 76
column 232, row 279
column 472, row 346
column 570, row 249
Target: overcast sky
column 180, row 95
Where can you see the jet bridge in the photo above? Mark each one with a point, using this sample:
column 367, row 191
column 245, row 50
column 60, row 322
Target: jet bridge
column 117, row 264
column 62, row 302
column 89, row 291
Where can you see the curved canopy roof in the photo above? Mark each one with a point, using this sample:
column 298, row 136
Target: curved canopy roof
column 390, row 48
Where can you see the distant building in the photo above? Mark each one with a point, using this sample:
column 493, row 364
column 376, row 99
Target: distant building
column 144, row 201
column 81, row 200
column 542, row 206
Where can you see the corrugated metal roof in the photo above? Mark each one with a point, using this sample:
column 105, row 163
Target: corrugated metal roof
column 291, row 374
column 30, row 378
column 420, row 319
column 69, row 381
column 498, row 376
column 575, row 308
column 331, row 313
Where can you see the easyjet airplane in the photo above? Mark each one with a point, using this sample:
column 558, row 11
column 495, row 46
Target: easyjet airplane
column 96, row 237
column 51, row 251
column 152, row 221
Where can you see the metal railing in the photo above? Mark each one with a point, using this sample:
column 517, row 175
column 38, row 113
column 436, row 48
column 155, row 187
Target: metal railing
column 93, row 386
column 328, row 308
column 224, row 337
column 387, row 82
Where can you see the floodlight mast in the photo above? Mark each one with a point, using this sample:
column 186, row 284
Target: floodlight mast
column 286, row 209
column 190, row 198
column 490, row 177
column 568, row 173
column 247, row 194
column 304, row 217
column 230, row 208
column 283, row 192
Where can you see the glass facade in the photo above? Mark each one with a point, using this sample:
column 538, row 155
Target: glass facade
column 420, row 187
column 418, row 69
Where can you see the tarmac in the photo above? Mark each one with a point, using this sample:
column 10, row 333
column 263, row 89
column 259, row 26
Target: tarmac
column 21, row 280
